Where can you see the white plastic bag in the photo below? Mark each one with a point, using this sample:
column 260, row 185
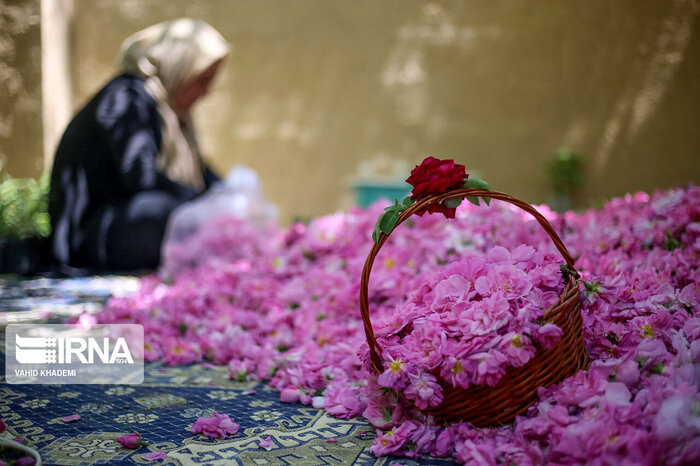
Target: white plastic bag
column 239, row 196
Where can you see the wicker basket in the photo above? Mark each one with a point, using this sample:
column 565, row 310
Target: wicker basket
column 485, row 406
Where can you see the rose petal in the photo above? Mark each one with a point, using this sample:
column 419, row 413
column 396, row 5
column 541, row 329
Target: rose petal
column 155, row 456
column 71, row 418
column 266, row 444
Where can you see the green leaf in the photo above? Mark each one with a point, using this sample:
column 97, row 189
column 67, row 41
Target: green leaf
column 453, row 202
column 388, row 221
column 671, row 243
column 386, row 414
column 394, row 206
column 591, row 288
column 375, row 234
column 566, row 272
column 477, row 183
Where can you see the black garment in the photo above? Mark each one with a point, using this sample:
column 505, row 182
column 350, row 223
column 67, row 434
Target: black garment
column 108, row 202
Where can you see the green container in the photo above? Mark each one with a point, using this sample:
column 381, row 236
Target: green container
column 366, row 192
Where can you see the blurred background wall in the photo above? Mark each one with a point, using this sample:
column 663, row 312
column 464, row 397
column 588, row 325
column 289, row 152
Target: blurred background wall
column 21, row 147
column 316, row 87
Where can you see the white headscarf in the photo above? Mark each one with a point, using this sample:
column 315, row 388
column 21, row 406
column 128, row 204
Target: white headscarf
column 168, row 55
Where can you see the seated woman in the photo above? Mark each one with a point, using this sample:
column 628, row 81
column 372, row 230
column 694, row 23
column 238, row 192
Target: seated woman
column 130, row 156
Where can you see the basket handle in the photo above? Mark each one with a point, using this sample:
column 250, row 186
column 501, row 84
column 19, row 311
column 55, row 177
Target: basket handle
column 374, row 348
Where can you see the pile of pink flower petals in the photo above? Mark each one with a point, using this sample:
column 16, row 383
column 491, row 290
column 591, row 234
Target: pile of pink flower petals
column 475, row 318
column 283, row 307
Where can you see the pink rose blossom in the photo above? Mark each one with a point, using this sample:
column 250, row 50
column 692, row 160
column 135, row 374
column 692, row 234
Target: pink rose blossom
column 343, row 400
column 384, row 410
column 424, row 390
column 548, row 335
column 217, row 426
column 392, row 440
column 444, row 444
column 292, row 394
column 395, row 374
column 677, row 417
column 452, row 290
column 132, row 440
column 517, row 348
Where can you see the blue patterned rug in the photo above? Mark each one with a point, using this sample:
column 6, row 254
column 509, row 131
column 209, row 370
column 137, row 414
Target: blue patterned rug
column 162, row 408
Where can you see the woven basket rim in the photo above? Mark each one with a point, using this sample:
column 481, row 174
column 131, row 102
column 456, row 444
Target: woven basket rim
column 421, row 205
column 568, row 303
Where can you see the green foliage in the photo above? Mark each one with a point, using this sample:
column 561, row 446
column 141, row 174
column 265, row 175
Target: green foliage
column 387, row 221
column 670, row 242
column 592, row 288
column 565, row 171
column 566, row 272
column 480, row 184
column 24, row 204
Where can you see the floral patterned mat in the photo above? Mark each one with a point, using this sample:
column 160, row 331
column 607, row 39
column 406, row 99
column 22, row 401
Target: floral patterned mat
column 162, row 408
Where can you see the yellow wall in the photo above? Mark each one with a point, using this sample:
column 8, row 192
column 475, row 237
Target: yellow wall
column 20, row 88
column 314, row 87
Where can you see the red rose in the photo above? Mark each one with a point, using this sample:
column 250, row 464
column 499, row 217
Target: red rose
column 435, row 176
